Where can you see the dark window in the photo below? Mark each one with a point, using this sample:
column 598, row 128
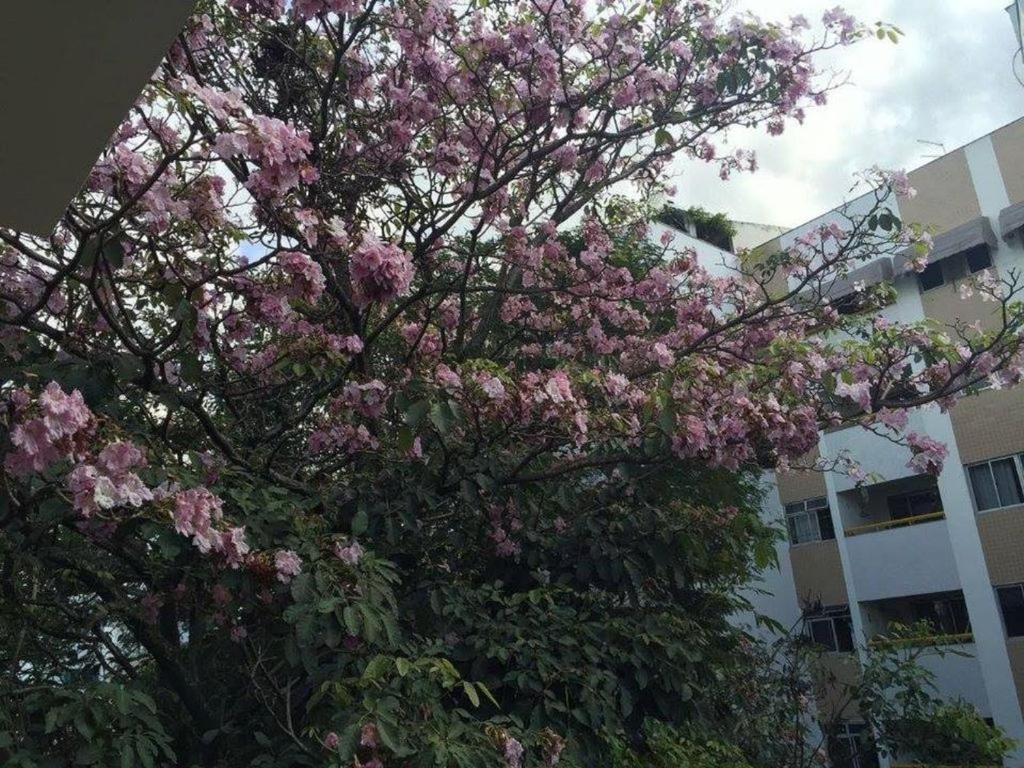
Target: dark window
column 831, row 629
column 1011, row 602
column 828, row 531
column 996, row 484
column 931, row 277
column 978, row 258
column 851, row 746
column 914, row 504
column 947, row 615
column 854, row 303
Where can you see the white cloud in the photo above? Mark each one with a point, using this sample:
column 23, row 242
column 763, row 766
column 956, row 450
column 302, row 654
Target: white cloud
column 950, row 80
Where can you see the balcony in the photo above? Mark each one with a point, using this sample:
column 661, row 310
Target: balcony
column 897, row 539
column 922, row 641
column 955, row 671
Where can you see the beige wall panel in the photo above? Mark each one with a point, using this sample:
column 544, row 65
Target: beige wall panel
column 818, row 573
column 778, row 285
column 945, row 305
column 1002, row 539
column 945, row 194
column 1009, row 146
column 834, row 675
column 1015, row 650
column 798, row 486
column 989, row 425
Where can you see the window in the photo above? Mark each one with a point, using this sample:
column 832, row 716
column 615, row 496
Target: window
column 996, row 483
column 978, row 259
column 831, row 629
column 954, row 268
column 931, row 277
column 854, row 303
column 809, row 520
column 850, row 746
column 914, row 504
column 947, row 614
column 1011, row 603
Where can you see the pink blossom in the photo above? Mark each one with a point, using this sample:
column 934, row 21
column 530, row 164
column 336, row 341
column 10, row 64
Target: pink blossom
column 380, row 271
column 331, row 740
column 350, row 553
column 195, row 512
column 369, row 737
column 928, row 454
column 306, row 277
column 447, row 378
column 842, row 23
column 232, row 545
column 287, row 564
column 492, row 386
column 859, row 392
column 512, row 751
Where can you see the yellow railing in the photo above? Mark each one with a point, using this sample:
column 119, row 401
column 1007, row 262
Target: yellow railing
column 925, row 641
column 903, row 522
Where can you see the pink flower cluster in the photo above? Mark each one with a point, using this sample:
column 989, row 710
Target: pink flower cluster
column 279, row 149
column 307, row 278
column 196, row 513
column 505, row 521
column 110, row 482
column 380, row 271
column 60, row 431
column 927, row 454
column 287, row 564
column 512, row 751
column 350, row 553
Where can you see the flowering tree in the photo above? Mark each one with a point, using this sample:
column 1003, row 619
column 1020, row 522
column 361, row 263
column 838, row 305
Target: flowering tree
column 349, row 416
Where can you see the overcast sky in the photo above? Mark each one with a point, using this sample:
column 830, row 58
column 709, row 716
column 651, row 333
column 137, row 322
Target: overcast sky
column 950, row 80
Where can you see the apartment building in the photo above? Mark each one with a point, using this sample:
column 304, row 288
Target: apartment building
column 906, row 547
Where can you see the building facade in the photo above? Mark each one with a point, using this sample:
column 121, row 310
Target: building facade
column 906, row 547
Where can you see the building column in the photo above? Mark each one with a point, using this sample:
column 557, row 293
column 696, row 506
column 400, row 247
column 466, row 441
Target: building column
column 980, row 596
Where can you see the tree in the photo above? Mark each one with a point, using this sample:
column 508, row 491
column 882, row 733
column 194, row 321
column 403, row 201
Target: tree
column 348, row 412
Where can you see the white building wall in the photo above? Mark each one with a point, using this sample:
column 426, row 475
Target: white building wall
column 932, row 557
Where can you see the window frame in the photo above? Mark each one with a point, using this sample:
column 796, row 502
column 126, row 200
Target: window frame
column 975, row 251
column 955, row 267
column 831, row 617
column 906, row 496
column 1017, row 462
column 851, row 736
column 949, row 609
column 813, row 516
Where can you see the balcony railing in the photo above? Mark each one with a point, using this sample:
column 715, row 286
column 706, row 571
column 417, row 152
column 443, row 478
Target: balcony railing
column 924, row 641
column 888, row 525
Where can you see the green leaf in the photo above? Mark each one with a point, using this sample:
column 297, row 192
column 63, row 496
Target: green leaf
column 360, row 521
column 442, row 417
column 471, row 693
column 414, row 415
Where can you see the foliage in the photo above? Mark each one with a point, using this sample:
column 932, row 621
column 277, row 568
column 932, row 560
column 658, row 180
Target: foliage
column 896, row 695
column 715, row 228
